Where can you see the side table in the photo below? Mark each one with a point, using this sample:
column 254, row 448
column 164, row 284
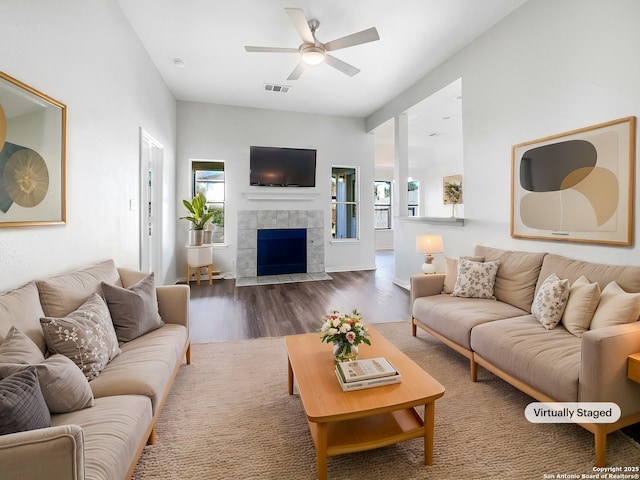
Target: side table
column 633, row 367
column 198, row 257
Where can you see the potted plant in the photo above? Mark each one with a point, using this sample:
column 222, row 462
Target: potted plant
column 199, row 216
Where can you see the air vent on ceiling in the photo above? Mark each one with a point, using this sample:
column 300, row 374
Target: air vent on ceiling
column 270, row 87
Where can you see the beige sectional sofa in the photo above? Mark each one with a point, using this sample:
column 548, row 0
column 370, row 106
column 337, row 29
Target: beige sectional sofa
column 104, row 437
column 563, row 363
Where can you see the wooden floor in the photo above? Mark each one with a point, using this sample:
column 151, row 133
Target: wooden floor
column 223, row 312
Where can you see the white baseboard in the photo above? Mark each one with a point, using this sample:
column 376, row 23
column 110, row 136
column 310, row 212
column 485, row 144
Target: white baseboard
column 350, row 269
column 400, row 283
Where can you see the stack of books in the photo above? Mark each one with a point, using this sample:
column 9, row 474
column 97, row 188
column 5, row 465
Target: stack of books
column 366, row 373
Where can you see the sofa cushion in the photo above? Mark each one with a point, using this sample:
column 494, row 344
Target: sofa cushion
column 134, row 310
column 628, row 277
column 110, row 446
column 145, row 366
column 63, row 385
column 547, row 360
column 64, row 293
column 517, row 276
column 21, row 307
column 475, row 279
column 18, row 348
column 550, row 301
column 581, row 305
column 21, row 403
column 451, row 272
column 454, row 317
column 86, row 336
column 616, row 307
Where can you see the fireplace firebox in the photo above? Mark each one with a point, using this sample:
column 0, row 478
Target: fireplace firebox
column 281, row 251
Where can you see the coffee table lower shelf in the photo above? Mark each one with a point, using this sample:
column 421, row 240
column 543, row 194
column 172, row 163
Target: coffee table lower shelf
column 367, row 433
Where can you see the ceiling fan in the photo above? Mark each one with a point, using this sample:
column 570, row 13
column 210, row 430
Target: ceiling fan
column 313, row 52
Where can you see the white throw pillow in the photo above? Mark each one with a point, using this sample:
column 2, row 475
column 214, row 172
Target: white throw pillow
column 550, row 301
column 581, row 305
column 616, row 307
column 475, row 279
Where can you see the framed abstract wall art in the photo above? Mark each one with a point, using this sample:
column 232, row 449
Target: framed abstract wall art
column 576, row 186
column 32, row 156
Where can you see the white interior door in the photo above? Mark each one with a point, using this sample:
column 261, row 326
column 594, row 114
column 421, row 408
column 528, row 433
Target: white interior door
column 151, row 157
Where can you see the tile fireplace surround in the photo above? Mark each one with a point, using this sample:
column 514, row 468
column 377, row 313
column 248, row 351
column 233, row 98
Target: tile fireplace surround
column 250, row 221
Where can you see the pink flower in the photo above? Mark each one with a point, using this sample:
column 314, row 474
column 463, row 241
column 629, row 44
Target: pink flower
column 351, row 336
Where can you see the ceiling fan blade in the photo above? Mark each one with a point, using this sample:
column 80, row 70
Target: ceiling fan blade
column 297, row 72
column 300, row 22
column 270, row 49
column 365, row 36
column 344, row 67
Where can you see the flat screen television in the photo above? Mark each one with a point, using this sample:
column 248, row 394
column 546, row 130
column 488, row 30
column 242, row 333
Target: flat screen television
column 282, row 167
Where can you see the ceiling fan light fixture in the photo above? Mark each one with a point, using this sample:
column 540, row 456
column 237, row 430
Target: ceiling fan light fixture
column 312, row 54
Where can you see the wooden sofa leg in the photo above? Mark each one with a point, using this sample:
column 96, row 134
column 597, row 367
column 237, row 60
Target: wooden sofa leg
column 414, row 328
column 601, row 446
column 152, row 436
column 474, row 370
column 188, row 354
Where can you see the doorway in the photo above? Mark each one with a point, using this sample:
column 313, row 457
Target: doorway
column 151, row 159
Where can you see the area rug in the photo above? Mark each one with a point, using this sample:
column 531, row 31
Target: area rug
column 229, row 416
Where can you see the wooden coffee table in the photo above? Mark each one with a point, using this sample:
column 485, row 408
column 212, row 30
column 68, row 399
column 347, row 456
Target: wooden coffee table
column 347, row 422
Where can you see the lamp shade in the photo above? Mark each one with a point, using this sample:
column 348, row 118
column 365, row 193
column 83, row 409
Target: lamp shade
column 429, row 244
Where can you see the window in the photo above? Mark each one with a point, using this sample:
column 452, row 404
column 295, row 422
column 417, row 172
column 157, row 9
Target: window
column 208, row 178
column 344, row 202
column 413, row 197
column 382, row 204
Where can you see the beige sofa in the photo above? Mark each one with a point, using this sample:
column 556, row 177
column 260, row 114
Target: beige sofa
column 550, row 365
column 105, row 440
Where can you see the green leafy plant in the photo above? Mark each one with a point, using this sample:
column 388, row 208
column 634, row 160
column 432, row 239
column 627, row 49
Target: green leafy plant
column 199, row 213
column 453, row 192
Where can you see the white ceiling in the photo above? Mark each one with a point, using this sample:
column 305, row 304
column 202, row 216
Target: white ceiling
column 209, row 37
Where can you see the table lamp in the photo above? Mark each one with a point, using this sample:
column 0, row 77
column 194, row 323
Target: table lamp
column 429, row 244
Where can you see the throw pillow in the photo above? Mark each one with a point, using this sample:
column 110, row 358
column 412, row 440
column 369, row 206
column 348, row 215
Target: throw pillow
column 451, row 272
column 581, row 305
column 475, row 279
column 134, row 310
column 18, row 348
column 86, row 336
column 21, row 403
column 616, row 307
column 550, row 301
column 64, row 387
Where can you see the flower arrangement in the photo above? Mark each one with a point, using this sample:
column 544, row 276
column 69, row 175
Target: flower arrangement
column 346, row 332
column 452, row 192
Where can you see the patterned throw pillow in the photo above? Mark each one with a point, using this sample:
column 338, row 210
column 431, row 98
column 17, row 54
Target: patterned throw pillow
column 134, row 310
column 475, row 279
column 86, row 336
column 451, row 271
column 550, row 301
column 21, row 403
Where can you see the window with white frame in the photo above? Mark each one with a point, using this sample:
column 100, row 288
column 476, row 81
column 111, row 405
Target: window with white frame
column 413, row 198
column 344, row 202
column 382, row 204
column 208, row 178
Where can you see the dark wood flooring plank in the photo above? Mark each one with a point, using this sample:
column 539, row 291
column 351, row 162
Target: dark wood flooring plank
column 222, row 312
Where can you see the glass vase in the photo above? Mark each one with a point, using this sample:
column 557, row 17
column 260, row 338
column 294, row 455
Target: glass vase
column 344, row 352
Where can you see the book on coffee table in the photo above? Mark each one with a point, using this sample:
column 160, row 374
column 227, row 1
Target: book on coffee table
column 372, row 382
column 365, row 369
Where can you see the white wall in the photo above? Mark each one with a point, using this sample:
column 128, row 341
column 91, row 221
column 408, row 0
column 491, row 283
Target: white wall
column 85, row 55
column 548, row 68
column 219, row 132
